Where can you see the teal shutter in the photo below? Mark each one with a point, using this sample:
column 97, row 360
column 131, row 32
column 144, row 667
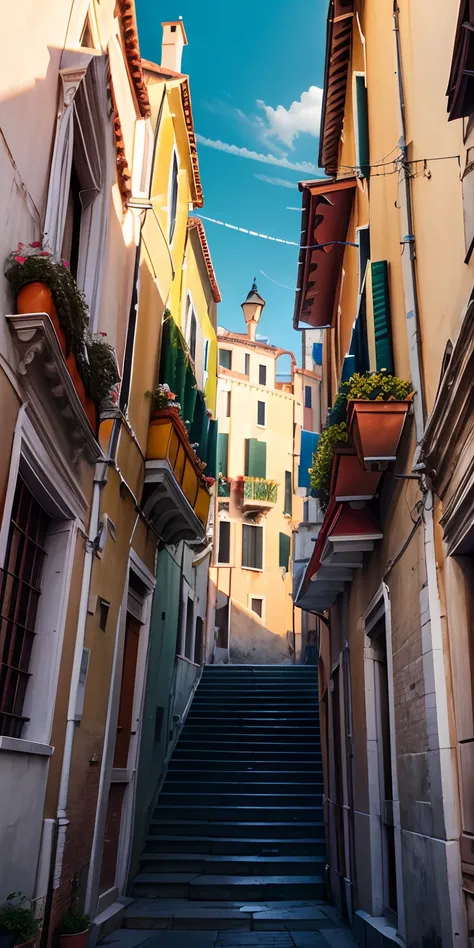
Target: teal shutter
column 285, row 542
column 211, row 469
column 222, row 452
column 382, row 325
column 288, row 493
column 362, row 126
column 255, row 458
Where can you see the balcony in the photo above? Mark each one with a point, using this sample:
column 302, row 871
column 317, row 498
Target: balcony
column 259, row 491
column 175, row 498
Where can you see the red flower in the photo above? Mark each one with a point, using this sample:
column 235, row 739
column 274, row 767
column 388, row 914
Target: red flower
column 65, row 264
column 20, row 259
column 20, row 246
column 103, row 334
column 171, row 395
column 44, row 253
column 36, row 243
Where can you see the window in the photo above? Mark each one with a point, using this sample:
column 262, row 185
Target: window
column 288, row 508
column 225, row 358
column 252, row 546
column 173, row 197
column 222, row 452
column 461, row 81
column 256, row 605
column 255, row 458
column 261, row 414
column 363, row 234
column 362, row 126
column 285, row 544
column 191, row 331
column 262, row 375
column 227, row 396
column 308, row 400
column 247, row 364
column 19, row 597
column 189, row 631
column 224, row 542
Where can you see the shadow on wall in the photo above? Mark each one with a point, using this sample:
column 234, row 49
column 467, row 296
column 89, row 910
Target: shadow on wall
column 251, row 643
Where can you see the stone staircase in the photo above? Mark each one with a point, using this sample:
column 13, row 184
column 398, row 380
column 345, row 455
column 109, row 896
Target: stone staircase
column 239, row 818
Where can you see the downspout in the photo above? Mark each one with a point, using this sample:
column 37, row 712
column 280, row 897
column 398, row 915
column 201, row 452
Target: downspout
column 445, row 814
column 100, row 479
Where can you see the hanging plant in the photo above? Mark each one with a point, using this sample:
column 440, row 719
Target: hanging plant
column 320, row 472
column 30, row 264
column 99, row 370
column 163, row 397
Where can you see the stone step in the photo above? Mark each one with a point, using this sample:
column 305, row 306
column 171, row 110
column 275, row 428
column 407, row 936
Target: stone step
column 246, row 714
column 245, row 814
column 240, row 745
column 248, row 865
column 241, row 829
column 250, row 688
column 230, row 887
column 222, row 753
column 241, row 799
column 311, row 774
column 248, row 920
column 245, row 765
column 246, row 846
column 245, row 786
column 248, row 732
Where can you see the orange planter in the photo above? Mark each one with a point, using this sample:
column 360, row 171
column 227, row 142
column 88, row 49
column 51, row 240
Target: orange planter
column 376, row 429
column 37, row 298
column 349, row 480
column 168, row 440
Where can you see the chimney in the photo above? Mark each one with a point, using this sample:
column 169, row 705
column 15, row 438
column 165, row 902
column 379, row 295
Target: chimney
column 174, row 38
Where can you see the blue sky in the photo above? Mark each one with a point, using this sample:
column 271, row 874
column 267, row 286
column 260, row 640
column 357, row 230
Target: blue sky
column 244, row 61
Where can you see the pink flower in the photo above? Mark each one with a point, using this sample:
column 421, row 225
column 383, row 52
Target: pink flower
column 44, row 253
column 36, row 243
column 65, row 264
column 103, row 334
column 20, row 246
column 20, row 259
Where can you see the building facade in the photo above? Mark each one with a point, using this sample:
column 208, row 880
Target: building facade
column 106, row 496
column 389, row 572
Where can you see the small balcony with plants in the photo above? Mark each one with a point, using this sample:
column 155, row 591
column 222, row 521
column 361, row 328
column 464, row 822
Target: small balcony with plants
column 181, row 450
column 60, row 360
column 258, row 491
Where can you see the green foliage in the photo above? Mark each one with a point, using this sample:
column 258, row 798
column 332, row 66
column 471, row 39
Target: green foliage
column 17, row 915
column 100, row 372
column 320, row 472
column 74, row 924
column 69, row 301
column 375, row 387
column 258, row 488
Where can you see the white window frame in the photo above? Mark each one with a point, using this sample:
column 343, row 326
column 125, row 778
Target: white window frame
column 262, row 600
column 225, row 349
column 220, row 562
column 380, row 607
column 253, row 569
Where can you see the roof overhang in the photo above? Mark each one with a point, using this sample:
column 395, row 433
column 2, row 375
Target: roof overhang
column 326, row 213
column 194, row 223
column 338, row 55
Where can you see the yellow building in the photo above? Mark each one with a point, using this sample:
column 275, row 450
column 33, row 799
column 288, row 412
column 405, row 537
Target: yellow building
column 257, row 499
column 388, row 277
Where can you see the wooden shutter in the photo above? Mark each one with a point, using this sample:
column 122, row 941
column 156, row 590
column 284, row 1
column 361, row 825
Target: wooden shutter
column 288, row 493
column 258, row 535
column 222, row 452
column 255, row 458
column 362, row 126
column 252, row 546
column 285, row 542
column 382, row 325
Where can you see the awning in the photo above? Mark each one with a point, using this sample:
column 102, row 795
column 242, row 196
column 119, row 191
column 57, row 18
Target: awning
column 327, row 207
column 338, row 54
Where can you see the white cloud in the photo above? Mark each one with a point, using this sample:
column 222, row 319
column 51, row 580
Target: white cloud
column 279, row 182
column 306, row 166
column 303, row 115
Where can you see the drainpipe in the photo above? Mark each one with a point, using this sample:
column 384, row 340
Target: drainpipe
column 443, row 774
column 61, row 815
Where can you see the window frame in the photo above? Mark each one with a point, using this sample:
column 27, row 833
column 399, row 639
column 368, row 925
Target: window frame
column 247, row 364
column 173, row 194
column 221, row 366
column 261, row 599
column 229, row 524
column 254, row 526
column 261, row 366
column 307, row 389
column 261, row 424
column 363, row 167
column 289, row 490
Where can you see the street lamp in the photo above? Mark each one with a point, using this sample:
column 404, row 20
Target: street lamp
column 252, row 310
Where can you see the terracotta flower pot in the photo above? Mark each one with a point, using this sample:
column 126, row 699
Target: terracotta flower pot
column 375, row 429
column 349, row 480
column 79, row 940
column 37, row 298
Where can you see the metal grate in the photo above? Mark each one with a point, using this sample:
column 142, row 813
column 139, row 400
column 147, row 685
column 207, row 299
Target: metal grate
column 20, row 590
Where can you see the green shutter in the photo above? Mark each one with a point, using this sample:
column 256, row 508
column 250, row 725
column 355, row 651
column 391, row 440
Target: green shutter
column 382, row 326
column 285, row 542
column 362, row 126
column 255, row 458
column 288, row 493
column 211, row 469
column 222, row 451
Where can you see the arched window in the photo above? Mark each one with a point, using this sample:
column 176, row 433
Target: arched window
column 173, row 197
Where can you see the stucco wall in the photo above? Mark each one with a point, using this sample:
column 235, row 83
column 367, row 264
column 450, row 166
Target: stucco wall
column 23, row 779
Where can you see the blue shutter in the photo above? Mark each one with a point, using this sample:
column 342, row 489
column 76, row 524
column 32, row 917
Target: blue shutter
column 382, row 325
column 309, row 444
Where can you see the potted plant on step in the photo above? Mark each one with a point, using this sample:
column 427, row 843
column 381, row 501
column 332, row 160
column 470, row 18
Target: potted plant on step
column 74, row 930
column 18, row 925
